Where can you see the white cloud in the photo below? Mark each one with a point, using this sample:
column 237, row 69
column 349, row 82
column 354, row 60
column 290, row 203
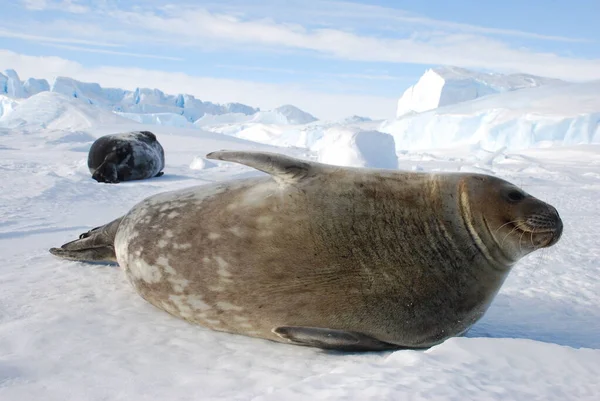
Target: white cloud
column 197, row 27
column 329, row 13
column 116, row 53
column 266, row 96
column 50, row 39
column 378, row 14
column 367, row 77
column 70, row 6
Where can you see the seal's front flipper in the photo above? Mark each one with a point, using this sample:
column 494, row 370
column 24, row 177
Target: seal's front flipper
column 284, row 169
column 96, row 245
column 331, row 339
column 106, row 172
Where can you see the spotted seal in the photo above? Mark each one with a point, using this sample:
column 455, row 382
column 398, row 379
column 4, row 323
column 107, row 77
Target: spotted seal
column 332, row 257
column 126, row 156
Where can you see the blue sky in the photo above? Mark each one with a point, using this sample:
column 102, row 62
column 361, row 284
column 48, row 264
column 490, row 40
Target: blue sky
column 330, row 58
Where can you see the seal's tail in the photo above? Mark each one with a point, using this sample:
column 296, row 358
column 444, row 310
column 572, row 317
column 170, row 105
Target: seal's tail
column 97, row 245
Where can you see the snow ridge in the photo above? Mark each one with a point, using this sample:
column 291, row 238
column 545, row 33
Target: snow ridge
column 141, row 100
column 561, row 114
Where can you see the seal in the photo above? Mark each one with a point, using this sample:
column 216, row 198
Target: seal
column 332, row 257
column 126, row 156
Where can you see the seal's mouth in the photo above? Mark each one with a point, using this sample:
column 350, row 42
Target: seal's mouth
column 539, row 236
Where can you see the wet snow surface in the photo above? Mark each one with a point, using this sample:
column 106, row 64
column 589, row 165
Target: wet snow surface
column 73, row 331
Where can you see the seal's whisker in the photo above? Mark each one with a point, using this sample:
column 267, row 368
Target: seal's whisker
column 520, row 240
column 531, row 237
column 505, row 224
column 506, row 236
column 520, row 227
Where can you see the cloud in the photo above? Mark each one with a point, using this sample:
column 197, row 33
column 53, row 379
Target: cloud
column 38, row 38
column 379, row 14
column 263, row 95
column 116, row 53
column 368, row 77
column 70, row 6
column 330, row 13
column 198, row 26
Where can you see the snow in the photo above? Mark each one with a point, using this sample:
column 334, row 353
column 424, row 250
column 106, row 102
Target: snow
column 286, row 114
column 56, row 111
column 165, row 119
column 353, row 147
column 219, row 119
column 6, row 105
column 562, row 114
column 200, row 163
column 74, row 331
column 444, row 86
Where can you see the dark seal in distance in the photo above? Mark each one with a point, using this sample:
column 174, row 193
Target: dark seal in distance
column 126, row 157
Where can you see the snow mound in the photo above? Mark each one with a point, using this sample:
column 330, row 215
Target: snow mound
column 355, row 119
column 444, row 86
column 56, row 111
column 77, row 137
column 286, row 114
column 219, row 119
column 165, row 119
column 353, row 147
column 561, row 114
column 200, row 163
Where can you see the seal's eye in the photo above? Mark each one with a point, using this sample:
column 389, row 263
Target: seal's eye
column 515, row 196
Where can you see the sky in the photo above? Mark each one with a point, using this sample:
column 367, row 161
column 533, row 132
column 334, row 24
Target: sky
column 330, row 58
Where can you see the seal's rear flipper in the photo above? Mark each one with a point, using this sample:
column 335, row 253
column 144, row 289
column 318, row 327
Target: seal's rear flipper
column 331, row 339
column 96, row 245
column 100, row 254
column 284, row 169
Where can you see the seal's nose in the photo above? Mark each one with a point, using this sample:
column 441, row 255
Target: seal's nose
column 558, row 227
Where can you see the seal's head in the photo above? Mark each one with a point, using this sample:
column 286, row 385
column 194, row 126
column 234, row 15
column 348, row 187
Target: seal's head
column 514, row 222
column 107, row 171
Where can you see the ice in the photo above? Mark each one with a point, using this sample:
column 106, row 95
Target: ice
column 286, row 114
column 561, row 114
column 356, row 148
column 141, row 100
column 201, row 163
column 33, row 86
column 7, row 105
column 446, row 85
column 11, row 85
column 53, row 110
column 221, row 119
column 144, row 100
column 166, row 119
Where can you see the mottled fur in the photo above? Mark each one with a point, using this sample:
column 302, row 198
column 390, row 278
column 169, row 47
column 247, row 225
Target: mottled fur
column 383, row 257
